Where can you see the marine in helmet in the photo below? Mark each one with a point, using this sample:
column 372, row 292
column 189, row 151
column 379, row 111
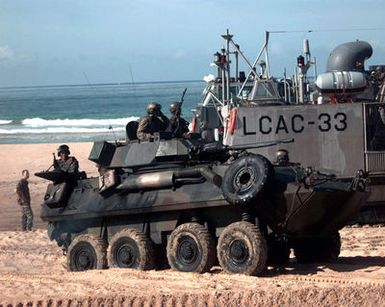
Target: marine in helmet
column 65, row 163
column 178, row 125
column 282, row 158
column 155, row 121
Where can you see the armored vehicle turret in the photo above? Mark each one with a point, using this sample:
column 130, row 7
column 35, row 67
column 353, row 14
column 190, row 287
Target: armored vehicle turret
column 193, row 202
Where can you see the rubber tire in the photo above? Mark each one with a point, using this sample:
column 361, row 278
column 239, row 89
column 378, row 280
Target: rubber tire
column 253, row 243
column 136, row 244
column 90, row 246
column 197, row 241
column 245, row 178
column 318, row 249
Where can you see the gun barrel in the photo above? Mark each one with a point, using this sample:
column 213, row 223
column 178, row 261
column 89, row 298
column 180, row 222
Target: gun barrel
column 260, row 144
column 184, row 93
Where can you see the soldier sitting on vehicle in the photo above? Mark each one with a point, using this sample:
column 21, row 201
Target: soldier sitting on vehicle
column 282, row 158
column 65, row 163
column 179, row 127
column 154, row 122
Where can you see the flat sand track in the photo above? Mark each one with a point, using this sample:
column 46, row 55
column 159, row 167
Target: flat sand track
column 32, row 273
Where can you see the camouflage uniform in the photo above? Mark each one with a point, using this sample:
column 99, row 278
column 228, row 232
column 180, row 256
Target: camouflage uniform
column 178, row 126
column 149, row 125
column 24, row 200
column 206, row 133
column 71, row 165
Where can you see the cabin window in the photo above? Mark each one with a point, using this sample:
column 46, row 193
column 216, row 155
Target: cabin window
column 264, row 90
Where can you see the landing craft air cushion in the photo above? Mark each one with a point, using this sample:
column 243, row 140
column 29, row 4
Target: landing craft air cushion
column 338, row 121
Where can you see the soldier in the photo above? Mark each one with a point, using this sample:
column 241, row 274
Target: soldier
column 155, row 121
column 66, row 163
column 178, row 125
column 282, row 157
column 206, row 133
column 24, row 200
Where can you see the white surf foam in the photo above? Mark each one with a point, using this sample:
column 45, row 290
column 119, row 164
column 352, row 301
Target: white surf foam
column 63, row 126
column 59, row 130
column 83, row 122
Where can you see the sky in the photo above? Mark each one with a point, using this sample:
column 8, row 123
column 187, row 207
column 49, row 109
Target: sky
column 52, row 42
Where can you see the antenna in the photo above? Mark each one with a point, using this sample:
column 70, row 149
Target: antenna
column 94, row 93
column 132, row 78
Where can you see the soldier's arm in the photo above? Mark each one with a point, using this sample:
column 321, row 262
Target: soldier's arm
column 165, row 121
column 18, row 189
column 171, row 124
column 142, row 133
column 55, row 163
column 185, row 124
column 20, row 193
column 74, row 166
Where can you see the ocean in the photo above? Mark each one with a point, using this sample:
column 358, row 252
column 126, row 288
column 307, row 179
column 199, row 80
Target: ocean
column 85, row 113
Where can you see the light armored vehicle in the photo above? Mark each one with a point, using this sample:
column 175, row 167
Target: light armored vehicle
column 196, row 204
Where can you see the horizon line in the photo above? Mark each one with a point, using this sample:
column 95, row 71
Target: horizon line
column 96, row 84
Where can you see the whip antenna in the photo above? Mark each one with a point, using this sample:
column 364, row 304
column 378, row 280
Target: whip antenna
column 93, row 91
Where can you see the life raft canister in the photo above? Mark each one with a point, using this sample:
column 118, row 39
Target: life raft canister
column 232, row 119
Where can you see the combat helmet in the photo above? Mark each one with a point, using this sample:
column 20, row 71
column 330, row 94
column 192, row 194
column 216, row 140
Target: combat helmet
column 153, row 108
column 63, row 148
column 175, row 107
column 282, row 156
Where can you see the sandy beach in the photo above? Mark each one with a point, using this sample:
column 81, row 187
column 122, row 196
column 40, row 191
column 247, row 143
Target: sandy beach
column 33, row 270
column 34, row 157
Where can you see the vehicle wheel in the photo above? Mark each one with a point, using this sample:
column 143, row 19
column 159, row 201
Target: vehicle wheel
column 130, row 248
column 242, row 249
column 86, row 252
column 245, row 178
column 278, row 253
column 318, row 249
column 190, row 248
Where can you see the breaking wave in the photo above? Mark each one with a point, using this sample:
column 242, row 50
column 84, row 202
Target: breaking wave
column 61, row 130
column 84, row 122
column 64, row 126
column 5, row 122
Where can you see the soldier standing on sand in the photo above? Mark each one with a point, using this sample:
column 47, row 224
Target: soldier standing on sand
column 66, row 163
column 24, row 200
